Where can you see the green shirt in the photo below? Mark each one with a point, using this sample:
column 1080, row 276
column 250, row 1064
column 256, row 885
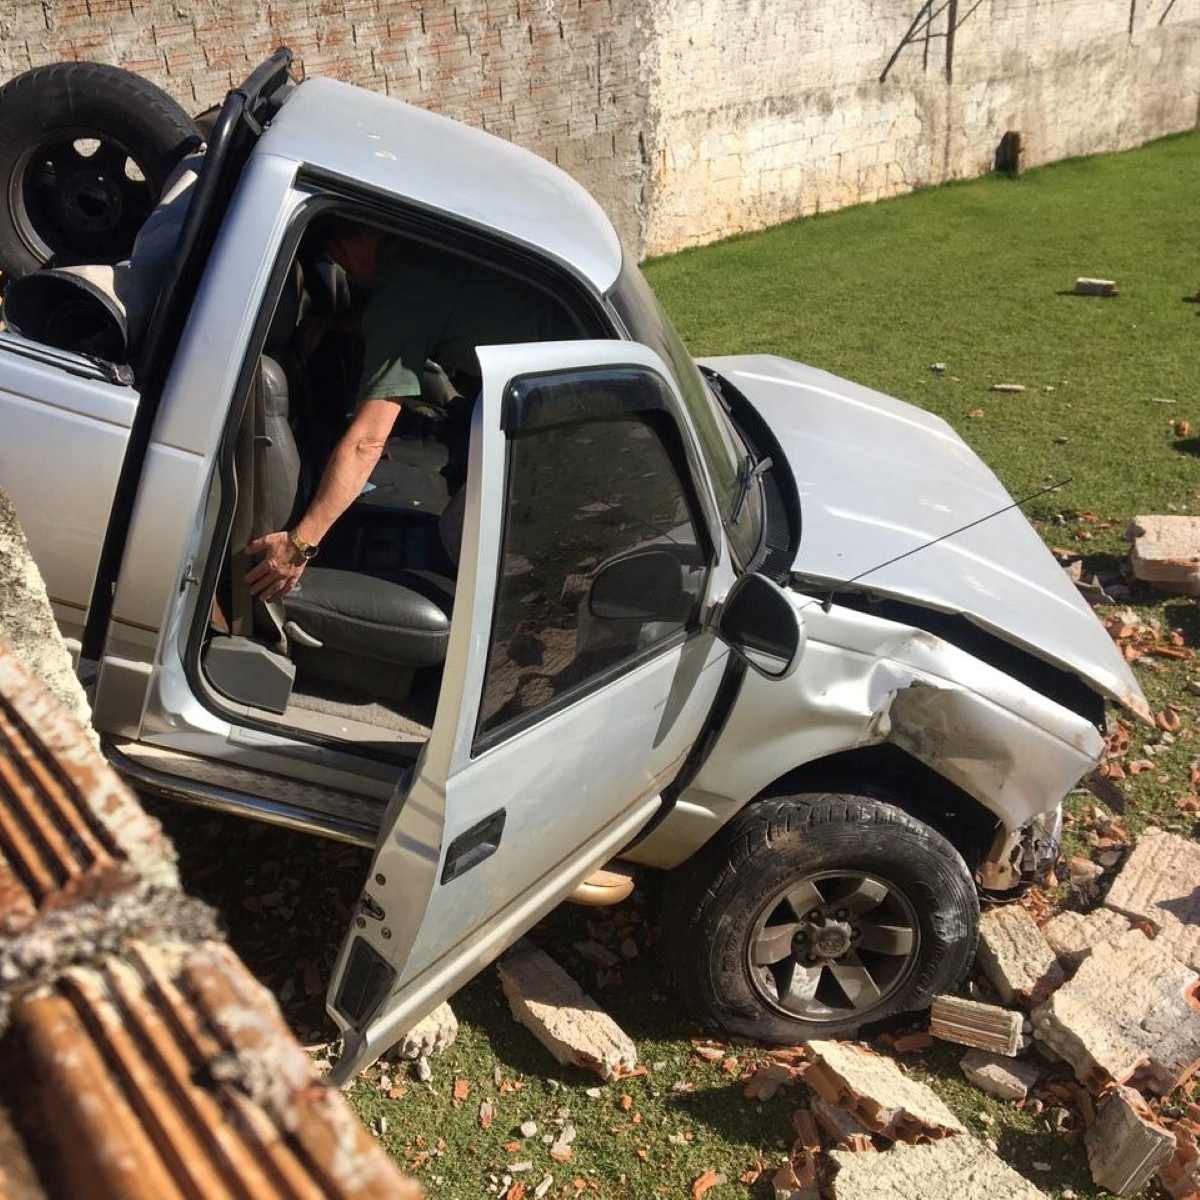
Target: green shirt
column 427, row 304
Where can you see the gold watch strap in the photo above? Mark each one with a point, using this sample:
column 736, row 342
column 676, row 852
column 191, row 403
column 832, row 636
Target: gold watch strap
column 303, row 548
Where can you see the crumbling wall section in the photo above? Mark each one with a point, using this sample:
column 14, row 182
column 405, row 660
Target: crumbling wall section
column 692, row 120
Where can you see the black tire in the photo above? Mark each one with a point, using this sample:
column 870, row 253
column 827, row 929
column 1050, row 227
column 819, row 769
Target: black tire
column 74, row 139
column 890, row 919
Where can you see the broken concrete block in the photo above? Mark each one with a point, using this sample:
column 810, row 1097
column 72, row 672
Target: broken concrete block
column 432, row 1034
column 970, row 1023
column 1016, row 957
column 27, row 622
column 956, row 1168
column 873, row 1089
column 1008, row 1078
column 555, row 1009
column 1085, row 286
column 1129, row 1011
column 1158, row 883
column 1127, row 1145
column 1166, row 552
column 1071, row 935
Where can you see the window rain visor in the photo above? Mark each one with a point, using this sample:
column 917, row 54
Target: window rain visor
column 737, row 487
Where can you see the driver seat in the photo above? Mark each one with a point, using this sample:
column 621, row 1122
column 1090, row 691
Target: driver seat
column 360, row 631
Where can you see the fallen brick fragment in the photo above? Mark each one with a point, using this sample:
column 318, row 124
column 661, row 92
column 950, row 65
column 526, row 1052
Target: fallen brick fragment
column 1126, row 1145
column 1071, row 935
column 766, row 1082
column 1158, row 883
column 970, row 1023
column 873, row 1089
column 555, row 1009
column 1126, row 1015
column 1166, row 552
column 1016, row 957
column 909, row 1042
column 1180, row 1176
column 796, row 1181
column 1008, row 1078
column 956, row 1168
column 805, row 1126
column 842, row 1128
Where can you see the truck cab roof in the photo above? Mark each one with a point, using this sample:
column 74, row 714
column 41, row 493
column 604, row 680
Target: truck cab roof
column 428, row 160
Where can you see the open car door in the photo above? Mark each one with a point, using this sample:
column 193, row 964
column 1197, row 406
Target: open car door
column 578, row 676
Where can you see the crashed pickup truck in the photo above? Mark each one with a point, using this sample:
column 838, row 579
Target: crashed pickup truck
column 704, row 620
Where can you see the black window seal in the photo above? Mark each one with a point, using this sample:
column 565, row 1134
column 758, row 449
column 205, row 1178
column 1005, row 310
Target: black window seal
column 523, row 410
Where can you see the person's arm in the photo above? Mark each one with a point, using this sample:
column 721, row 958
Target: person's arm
column 349, row 467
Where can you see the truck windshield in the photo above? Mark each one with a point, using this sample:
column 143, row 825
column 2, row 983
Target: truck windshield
column 730, row 466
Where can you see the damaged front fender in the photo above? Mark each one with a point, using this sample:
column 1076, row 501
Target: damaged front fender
column 867, row 681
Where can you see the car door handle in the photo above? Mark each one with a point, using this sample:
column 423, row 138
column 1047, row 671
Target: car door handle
column 469, row 849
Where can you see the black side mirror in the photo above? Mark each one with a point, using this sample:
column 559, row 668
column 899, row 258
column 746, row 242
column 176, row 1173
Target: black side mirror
column 760, row 624
column 646, row 585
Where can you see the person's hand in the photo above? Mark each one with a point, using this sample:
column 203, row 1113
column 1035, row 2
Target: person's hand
column 280, row 569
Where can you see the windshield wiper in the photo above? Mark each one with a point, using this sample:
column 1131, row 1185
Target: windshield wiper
column 748, row 472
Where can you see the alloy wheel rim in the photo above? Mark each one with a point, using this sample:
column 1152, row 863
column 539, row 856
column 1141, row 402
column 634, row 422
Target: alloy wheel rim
column 833, row 946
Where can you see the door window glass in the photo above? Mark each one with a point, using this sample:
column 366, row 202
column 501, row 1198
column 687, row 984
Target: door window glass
column 601, row 563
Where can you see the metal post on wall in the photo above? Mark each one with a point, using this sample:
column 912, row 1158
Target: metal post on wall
column 951, row 27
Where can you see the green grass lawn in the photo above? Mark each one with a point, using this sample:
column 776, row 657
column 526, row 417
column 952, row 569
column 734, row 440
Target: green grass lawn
column 974, row 276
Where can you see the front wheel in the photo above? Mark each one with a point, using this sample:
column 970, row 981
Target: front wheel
column 819, row 916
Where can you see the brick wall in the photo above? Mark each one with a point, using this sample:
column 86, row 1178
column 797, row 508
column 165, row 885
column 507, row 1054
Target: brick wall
column 557, row 76
column 693, row 119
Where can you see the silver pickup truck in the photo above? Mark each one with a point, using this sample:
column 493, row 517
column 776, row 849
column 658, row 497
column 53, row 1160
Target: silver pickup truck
column 704, row 618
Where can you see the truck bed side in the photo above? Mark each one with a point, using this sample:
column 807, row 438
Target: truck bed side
column 65, row 424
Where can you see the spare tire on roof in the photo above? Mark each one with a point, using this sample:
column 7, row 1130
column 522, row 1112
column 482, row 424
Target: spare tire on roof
column 85, row 149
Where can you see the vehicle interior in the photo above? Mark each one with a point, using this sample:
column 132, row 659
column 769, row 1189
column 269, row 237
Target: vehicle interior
column 355, row 651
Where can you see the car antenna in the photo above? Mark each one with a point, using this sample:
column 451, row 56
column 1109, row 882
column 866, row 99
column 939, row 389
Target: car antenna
column 827, row 603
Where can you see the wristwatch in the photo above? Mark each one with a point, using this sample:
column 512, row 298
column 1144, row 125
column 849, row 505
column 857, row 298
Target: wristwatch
column 306, row 550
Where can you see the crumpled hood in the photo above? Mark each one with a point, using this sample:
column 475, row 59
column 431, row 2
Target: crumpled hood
column 878, row 477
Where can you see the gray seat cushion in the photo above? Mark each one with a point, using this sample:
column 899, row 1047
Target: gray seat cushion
column 406, row 621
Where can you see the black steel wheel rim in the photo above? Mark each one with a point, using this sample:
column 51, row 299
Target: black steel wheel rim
column 833, row 946
column 80, row 195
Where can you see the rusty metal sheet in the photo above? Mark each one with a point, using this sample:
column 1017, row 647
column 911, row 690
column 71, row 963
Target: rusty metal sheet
column 68, row 827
